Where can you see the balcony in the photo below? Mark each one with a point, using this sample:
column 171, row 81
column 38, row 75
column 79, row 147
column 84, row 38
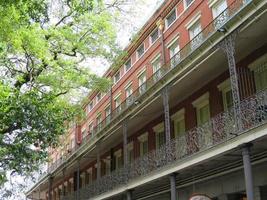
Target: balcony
column 174, row 63
column 222, row 128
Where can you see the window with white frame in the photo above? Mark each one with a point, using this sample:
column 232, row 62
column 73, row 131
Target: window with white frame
column 160, row 135
column 130, row 151
column 194, row 30
column 154, row 36
column 195, row 34
column 83, row 174
column 202, row 109
column 91, row 128
column 225, row 89
column 118, row 159
column 171, row 18
column 117, row 77
column 84, row 133
column 128, row 65
column 98, row 97
column 128, row 93
column 117, row 101
column 89, row 176
column 187, row 3
column 98, row 121
column 90, row 106
column 174, row 52
column 142, row 81
column 107, row 113
column 156, row 67
column 141, row 50
column 143, row 144
column 218, row 7
column 107, row 165
column 179, row 123
column 259, row 68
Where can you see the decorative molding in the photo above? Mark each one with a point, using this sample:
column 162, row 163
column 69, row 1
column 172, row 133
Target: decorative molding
column 254, row 65
column 174, row 39
column 178, row 115
column 193, row 20
column 118, row 153
column 202, row 100
column 143, row 137
column 159, row 127
column 224, row 85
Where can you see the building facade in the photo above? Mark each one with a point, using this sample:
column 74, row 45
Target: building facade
column 186, row 117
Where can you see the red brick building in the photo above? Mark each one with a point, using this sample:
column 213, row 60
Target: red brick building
column 186, row 115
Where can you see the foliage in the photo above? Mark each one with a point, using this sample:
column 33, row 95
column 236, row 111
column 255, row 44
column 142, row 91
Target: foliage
column 44, row 46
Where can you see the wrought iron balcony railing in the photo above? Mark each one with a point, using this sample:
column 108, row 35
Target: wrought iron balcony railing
column 174, row 62
column 218, row 130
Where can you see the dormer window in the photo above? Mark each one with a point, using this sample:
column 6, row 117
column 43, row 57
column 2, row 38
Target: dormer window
column 140, row 50
column 117, row 77
column 154, row 36
column 171, row 18
column 128, row 65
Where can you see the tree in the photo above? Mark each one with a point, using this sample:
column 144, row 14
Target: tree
column 44, row 46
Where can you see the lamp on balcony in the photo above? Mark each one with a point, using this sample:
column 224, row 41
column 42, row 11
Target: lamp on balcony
column 222, row 30
column 160, row 24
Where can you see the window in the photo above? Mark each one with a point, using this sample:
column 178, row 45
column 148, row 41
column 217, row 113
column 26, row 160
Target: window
column 107, row 165
column 202, row 109
column 130, row 152
column 154, row 36
column 174, row 52
column 91, row 128
column 128, row 94
column 140, row 50
column 219, row 12
column 118, row 159
column 188, row 3
column 89, row 176
column 98, row 97
column 156, row 68
column 179, row 123
column 218, row 6
column 107, row 113
column 160, row 135
column 141, row 82
column 225, row 89
column 117, row 77
column 259, row 68
column 90, row 106
column 143, row 144
column 171, row 18
column 195, row 36
column 84, row 133
column 128, row 65
column 117, row 101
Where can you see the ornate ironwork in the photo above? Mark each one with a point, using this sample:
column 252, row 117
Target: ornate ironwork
column 220, row 129
column 228, row 46
column 174, row 62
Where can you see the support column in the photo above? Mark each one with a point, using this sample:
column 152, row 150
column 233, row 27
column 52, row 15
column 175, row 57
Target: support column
column 125, row 151
column 98, row 172
column 228, row 46
column 78, row 182
column 165, row 96
column 173, row 186
column 50, row 185
column 248, row 171
column 129, row 194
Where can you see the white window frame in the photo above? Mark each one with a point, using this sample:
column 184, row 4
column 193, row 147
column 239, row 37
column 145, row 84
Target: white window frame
column 143, row 138
column 187, row 6
column 141, row 73
column 176, row 56
column 224, row 87
column 117, row 97
column 178, row 117
column 89, row 106
column 254, row 66
column 150, row 38
column 98, row 98
column 125, row 67
column 166, row 21
column 158, row 129
column 200, row 103
column 137, row 54
column 114, row 77
column 194, row 20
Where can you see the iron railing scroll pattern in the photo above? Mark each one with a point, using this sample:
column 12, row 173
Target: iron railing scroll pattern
column 184, row 53
column 219, row 129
